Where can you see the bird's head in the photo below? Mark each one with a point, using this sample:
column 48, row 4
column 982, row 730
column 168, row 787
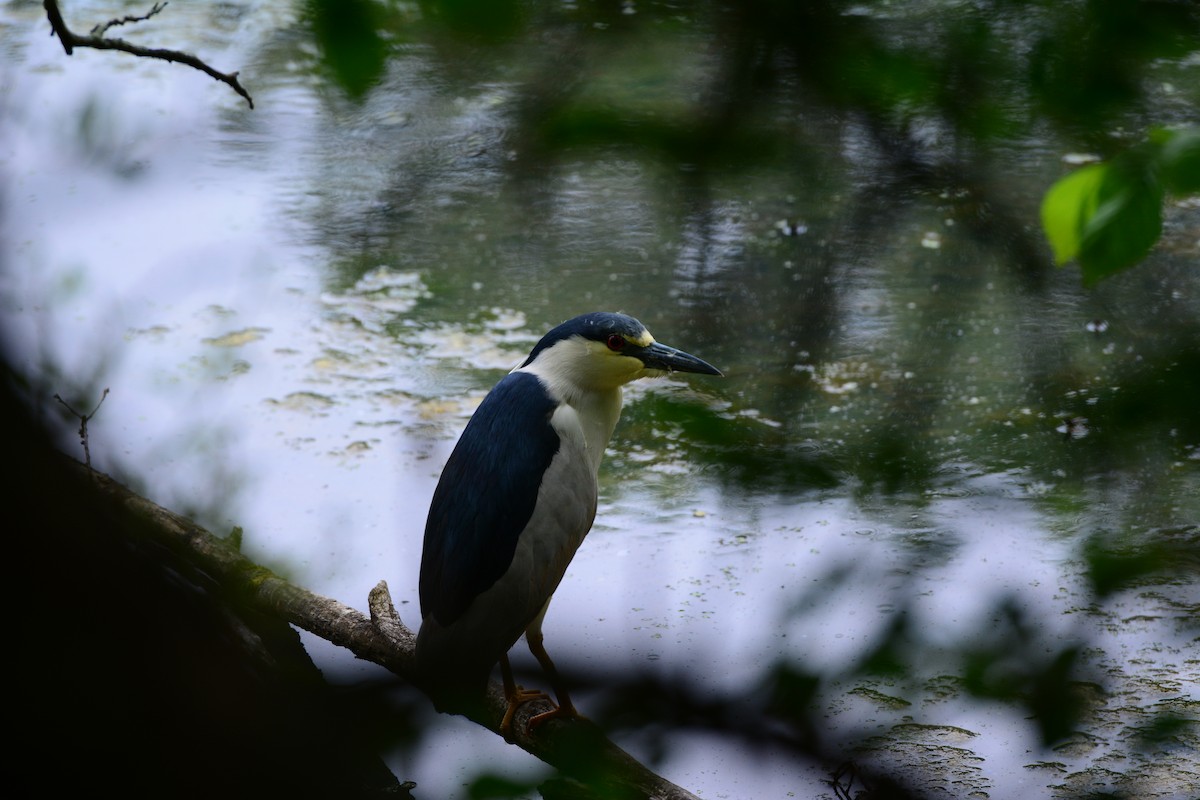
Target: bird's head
column 603, row 351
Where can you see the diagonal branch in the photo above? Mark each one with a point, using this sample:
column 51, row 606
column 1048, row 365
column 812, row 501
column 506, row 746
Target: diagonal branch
column 576, row 747
column 70, row 40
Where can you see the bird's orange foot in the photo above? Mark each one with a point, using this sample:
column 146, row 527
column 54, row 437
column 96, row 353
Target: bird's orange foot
column 517, row 698
column 559, row 712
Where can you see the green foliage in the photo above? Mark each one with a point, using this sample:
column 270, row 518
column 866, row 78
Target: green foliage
column 1108, row 216
column 352, row 49
column 483, row 20
column 1125, row 222
column 1089, row 60
column 1067, row 208
column 1179, row 160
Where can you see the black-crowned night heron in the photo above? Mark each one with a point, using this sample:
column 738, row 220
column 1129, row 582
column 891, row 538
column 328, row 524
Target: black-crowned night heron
column 515, row 500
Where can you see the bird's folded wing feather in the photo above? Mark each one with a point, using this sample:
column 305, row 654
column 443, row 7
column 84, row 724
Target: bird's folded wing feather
column 486, row 495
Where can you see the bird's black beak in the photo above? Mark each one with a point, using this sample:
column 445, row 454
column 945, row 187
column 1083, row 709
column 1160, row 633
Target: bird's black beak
column 668, row 359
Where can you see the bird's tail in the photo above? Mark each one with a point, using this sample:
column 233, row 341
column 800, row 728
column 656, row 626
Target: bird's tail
column 455, row 682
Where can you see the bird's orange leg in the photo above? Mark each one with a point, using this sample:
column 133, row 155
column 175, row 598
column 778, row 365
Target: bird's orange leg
column 533, row 636
column 516, row 697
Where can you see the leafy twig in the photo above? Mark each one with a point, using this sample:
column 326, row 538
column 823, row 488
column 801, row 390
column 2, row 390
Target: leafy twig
column 71, row 40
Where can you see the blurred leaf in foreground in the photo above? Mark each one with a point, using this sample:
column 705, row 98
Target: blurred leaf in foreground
column 1105, row 216
column 1179, row 160
column 347, row 33
column 1108, row 216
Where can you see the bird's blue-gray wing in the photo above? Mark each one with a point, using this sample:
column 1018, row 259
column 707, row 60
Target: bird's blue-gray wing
column 486, row 495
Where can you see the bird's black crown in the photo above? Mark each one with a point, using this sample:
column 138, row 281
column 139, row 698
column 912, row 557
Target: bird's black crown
column 597, row 326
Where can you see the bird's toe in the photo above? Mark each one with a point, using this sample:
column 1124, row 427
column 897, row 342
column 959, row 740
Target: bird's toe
column 566, row 711
column 516, row 699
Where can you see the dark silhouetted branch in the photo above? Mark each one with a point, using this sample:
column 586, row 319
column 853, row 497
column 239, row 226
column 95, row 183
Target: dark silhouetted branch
column 99, row 30
column 98, row 41
column 577, row 748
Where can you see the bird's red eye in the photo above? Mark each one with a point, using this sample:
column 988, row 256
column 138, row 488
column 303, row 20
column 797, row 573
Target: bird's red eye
column 616, row 342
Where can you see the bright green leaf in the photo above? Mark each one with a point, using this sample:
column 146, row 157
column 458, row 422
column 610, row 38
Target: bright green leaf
column 1067, row 207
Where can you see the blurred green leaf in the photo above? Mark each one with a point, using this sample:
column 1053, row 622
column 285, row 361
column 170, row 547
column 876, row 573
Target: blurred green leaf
column 1105, row 216
column 1179, row 162
column 1109, row 216
column 1126, row 223
column 1066, row 208
column 347, row 33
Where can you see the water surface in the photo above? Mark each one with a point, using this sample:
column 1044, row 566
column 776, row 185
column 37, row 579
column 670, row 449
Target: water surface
column 297, row 308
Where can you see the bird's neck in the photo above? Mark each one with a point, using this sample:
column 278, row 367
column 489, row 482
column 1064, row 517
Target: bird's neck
column 598, row 415
column 597, row 409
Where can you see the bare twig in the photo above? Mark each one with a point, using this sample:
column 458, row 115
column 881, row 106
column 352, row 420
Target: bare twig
column 71, row 40
column 83, row 421
column 99, row 30
column 849, row 771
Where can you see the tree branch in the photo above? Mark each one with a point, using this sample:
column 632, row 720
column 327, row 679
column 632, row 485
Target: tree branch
column 578, row 748
column 99, row 30
column 71, row 40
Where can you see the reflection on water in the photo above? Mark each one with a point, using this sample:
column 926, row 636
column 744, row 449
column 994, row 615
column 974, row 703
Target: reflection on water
column 298, row 308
